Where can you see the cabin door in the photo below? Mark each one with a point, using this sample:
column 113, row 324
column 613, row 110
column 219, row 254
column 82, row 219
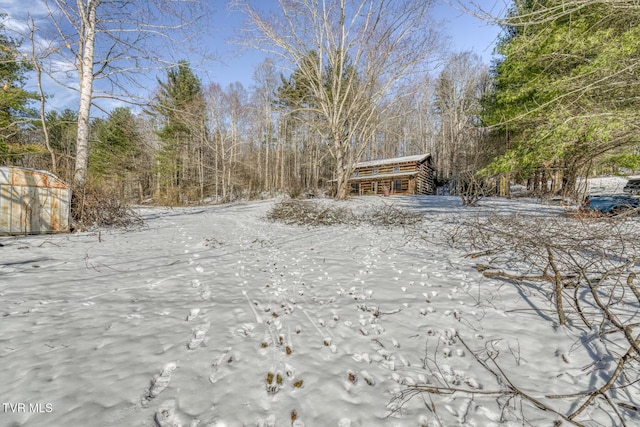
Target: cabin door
column 374, row 187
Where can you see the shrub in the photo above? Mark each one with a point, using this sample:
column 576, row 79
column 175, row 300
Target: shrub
column 101, row 207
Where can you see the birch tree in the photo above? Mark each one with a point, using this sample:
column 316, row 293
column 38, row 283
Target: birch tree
column 111, row 40
column 361, row 50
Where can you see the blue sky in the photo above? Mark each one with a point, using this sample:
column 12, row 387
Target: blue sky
column 466, row 33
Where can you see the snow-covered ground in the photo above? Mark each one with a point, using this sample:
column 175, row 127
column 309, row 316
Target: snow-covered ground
column 214, row 316
column 604, row 185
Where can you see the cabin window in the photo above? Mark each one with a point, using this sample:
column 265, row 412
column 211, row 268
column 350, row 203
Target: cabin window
column 356, row 173
column 355, row 188
column 397, row 185
column 396, row 169
column 374, row 171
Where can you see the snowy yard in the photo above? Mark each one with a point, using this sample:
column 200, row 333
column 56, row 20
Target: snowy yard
column 214, row 316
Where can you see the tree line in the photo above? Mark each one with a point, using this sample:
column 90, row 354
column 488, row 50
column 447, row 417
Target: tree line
column 558, row 102
column 565, row 96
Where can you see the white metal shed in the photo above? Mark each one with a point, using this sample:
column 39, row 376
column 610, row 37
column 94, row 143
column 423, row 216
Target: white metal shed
column 33, row 202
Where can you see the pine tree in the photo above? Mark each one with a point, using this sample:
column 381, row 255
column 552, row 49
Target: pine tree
column 14, row 99
column 567, row 87
column 179, row 109
column 117, row 143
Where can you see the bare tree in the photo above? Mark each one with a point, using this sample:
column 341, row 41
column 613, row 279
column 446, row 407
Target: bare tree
column 266, row 81
column 38, row 53
column 226, row 111
column 111, row 40
column 458, row 91
column 353, row 55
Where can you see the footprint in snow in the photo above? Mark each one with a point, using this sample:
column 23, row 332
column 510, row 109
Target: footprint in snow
column 448, row 337
column 245, row 330
column 368, row 378
column 193, row 313
column 162, row 381
column 215, row 366
column 364, row 357
column 402, row 380
column 205, row 292
column 458, row 377
column 167, row 416
column 198, row 335
column 274, row 382
column 132, row 316
column 403, row 360
column 270, row 421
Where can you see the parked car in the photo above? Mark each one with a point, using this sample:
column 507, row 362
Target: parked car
column 613, row 204
column 633, row 186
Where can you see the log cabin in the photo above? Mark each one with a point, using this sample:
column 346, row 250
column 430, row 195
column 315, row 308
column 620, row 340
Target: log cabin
column 400, row 175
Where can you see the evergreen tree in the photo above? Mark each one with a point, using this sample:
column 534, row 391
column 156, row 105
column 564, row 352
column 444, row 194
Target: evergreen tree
column 295, row 93
column 63, row 129
column 14, row 100
column 567, row 87
column 116, row 146
column 179, row 109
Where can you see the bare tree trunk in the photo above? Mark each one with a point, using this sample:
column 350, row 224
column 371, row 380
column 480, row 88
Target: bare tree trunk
column 43, row 118
column 87, row 47
column 267, row 175
column 341, row 175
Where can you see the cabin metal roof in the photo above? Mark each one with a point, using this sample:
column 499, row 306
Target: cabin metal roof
column 406, row 159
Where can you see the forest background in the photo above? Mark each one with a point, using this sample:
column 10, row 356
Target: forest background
column 338, row 82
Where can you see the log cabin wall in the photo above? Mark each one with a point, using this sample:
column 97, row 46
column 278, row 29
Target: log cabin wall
column 425, row 178
column 403, row 175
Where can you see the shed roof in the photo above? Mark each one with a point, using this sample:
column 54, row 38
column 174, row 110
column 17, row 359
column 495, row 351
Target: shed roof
column 24, row 177
column 406, row 159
